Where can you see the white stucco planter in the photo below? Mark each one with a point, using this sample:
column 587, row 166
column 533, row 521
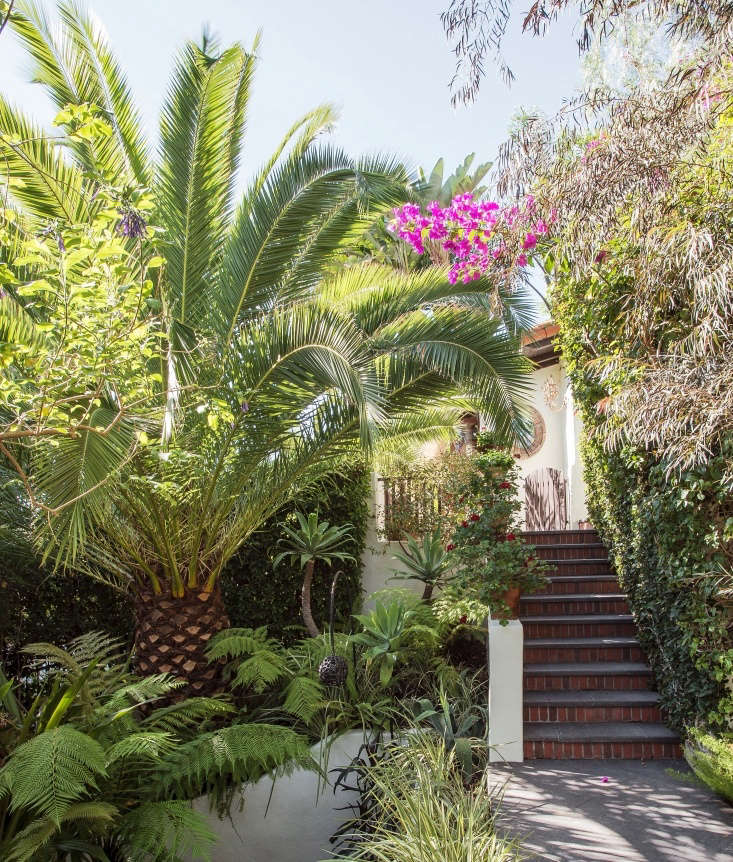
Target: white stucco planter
column 299, row 820
column 506, row 692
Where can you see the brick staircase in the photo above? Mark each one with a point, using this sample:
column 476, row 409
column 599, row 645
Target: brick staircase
column 587, row 687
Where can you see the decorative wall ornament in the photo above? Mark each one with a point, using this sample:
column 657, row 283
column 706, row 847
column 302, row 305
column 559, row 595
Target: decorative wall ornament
column 552, row 395
column 538, row 436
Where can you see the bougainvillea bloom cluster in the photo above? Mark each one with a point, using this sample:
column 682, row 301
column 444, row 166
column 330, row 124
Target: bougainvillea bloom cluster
column 477, row 235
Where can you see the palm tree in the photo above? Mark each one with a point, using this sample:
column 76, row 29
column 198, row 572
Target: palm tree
column 275, row 360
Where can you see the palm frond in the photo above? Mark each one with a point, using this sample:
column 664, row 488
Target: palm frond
column 42, row 182
column 201, row 127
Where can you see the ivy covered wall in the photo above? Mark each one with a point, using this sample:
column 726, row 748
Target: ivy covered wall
column 669, row 532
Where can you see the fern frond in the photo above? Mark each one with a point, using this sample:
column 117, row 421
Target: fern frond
column 53, row 770
column 239, row 753
column 166, row 832
column 304, row 697
column 260, row 670
column 148, row 745
column 191, row 713
column 238, row 642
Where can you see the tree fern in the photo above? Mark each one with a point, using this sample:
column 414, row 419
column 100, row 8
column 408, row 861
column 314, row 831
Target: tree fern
column 304, row 697
column 53, row 770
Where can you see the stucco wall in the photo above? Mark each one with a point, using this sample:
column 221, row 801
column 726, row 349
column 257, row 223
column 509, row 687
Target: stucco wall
column 292, row 820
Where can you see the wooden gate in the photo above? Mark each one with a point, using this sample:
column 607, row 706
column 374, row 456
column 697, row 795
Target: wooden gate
column 545, row 500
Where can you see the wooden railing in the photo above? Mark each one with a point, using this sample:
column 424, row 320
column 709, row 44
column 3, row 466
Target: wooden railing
column 405, row 500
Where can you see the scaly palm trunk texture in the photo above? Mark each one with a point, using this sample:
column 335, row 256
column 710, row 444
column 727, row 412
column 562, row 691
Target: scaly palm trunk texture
column 171, row 636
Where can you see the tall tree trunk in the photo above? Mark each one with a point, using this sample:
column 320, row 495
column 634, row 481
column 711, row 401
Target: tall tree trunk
column 305, row 600
column 171, row 636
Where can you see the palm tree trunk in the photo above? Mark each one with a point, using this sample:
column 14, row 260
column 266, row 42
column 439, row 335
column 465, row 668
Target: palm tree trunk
column 171, row 636
column 305, row 601
column 427, row 592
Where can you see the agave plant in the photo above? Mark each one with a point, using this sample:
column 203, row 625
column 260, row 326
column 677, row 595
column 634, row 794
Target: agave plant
column 268, row 362
column 99, row 767
column 384, row 629
column 427, row 562
column 314, row 540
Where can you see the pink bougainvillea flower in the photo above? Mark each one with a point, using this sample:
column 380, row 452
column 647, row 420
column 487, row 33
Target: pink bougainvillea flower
column 604, row 779
column 530, row 241
column 601, row 256
column 522, row 260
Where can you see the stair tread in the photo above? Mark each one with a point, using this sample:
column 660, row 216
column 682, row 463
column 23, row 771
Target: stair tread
column 591, row 698
column 571, row 597
column 581, row 642
column 599, row 731
column 583, row 561
column 579, row 618
column 590, row 668
column 571, row 544
column 581, row 579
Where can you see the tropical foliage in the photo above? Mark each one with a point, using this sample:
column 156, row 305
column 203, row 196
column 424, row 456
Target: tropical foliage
column 413, row 805
column 100, row 765
column 314, row 541
column 426, row 561
column 255, row 362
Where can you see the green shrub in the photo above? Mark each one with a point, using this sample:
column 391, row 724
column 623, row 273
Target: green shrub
column 711, row 758
column 257, row 593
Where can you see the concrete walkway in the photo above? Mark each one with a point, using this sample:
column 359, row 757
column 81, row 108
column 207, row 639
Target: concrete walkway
column 563, row 812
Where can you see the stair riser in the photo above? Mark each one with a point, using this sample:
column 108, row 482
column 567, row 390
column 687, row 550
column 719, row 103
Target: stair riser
column 581, row 567
column 541, row 714
column 560, row 537
column 578, row 630
column 530, row 608
column 590, row 682
column 549, row 552
column 564, row 588
column 548, row 655
column 535, row 749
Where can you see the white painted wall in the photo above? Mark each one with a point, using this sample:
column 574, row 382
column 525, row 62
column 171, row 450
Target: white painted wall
column 506, row 674
column 299, row 820
column 379, row 565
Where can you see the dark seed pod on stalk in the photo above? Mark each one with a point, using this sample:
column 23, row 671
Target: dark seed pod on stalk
column 333, row 669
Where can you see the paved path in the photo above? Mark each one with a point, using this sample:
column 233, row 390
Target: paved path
column 563, row 812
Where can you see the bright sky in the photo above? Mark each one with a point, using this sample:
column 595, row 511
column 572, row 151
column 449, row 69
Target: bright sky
column 386, row 65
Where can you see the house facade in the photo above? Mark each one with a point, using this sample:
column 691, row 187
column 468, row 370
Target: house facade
column 550, row 466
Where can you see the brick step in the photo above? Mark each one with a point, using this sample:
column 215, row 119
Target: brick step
column 587, row 676
column 596, row 740
column 564, row 584
column 548, row 650
column 561, row 537
column 574, row 603
column 579, row 626
column 579, row 551
column 586, row 566
column 575, row 706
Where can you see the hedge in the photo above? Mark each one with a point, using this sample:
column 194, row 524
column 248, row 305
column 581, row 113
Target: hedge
column 256, row 593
